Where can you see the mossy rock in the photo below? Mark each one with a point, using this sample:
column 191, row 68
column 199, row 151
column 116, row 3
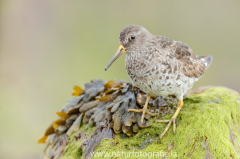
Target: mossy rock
column 207, row 127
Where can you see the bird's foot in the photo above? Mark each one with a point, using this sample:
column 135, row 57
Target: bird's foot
column 170, row 122
column 144, row 111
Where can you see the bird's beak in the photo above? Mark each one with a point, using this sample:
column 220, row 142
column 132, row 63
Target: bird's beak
column 119, row 52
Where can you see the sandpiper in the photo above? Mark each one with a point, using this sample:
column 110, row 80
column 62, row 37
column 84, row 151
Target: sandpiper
column 159, row 66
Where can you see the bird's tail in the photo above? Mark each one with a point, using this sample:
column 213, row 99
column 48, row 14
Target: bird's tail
column 208, row 59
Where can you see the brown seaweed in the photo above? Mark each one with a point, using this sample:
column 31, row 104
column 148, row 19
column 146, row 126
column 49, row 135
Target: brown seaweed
column 102, row 131
column 59, row 147
column 105, row 104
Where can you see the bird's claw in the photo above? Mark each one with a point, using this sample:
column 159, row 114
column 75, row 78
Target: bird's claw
column 144, row 111
column 170, row 122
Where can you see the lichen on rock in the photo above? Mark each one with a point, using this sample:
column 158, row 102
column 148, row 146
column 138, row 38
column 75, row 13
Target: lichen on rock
column 207, row 127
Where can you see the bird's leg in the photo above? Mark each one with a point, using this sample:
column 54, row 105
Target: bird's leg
column 172, row 120
column 144, row 110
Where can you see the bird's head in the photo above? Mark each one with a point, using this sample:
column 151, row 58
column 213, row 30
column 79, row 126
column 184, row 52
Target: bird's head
column 131, row 38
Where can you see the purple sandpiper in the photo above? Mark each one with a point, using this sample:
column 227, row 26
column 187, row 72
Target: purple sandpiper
column 159, row 66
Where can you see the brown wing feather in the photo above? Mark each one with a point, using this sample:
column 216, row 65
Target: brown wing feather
column 189, row 63
column 186, row 60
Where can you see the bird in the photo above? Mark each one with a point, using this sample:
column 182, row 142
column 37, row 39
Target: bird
column 159, row 66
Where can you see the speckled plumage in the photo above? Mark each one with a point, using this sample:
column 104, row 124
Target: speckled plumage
column 159, row 65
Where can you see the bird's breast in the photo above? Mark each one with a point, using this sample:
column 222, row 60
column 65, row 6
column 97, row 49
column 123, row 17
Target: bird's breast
column 142, row 66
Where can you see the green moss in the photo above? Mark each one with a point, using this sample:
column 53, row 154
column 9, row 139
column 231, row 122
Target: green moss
column 205, row 118
column 73, row 149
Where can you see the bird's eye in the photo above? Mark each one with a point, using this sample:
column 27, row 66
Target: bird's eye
column 133, row 37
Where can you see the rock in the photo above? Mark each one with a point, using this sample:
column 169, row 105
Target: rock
column 207, row 127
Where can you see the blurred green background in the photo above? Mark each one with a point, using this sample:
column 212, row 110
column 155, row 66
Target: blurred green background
column 46, row 47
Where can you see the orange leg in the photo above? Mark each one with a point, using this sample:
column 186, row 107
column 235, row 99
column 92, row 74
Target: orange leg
column 144, row 110
column 172, row 120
